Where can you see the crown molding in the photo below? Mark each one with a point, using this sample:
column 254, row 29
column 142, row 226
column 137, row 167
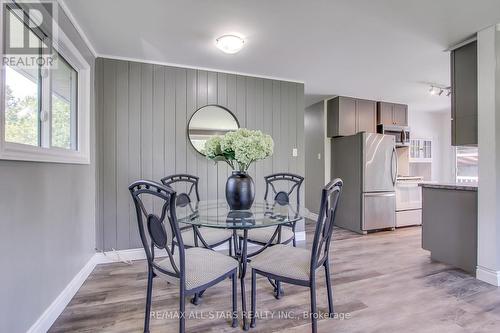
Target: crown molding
column 72, row 19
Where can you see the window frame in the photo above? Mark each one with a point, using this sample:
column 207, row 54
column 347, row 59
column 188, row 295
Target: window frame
column 456, row 165
column 24, row 152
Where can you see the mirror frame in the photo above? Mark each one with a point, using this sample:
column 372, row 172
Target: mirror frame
column 204, row 106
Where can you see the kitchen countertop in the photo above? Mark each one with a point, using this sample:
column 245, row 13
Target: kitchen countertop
column 450, row 186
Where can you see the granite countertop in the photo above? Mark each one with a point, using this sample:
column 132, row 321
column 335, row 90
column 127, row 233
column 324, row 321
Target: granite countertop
column 451, row 186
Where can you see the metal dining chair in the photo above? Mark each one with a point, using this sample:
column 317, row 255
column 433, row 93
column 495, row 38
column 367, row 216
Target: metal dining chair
column 280, row 190
column 187, row 187
column 194, row 269
column 298, row 266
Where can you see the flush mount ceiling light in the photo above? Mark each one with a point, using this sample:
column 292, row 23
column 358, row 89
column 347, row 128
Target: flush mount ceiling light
column 438, row 91
column 230, row 44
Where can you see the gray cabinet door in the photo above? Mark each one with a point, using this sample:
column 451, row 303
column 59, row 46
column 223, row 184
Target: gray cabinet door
column 384, row 113
column 332, row 118
column 366, row 115
column 464, row 95
column 347, row 116
column 400, row 114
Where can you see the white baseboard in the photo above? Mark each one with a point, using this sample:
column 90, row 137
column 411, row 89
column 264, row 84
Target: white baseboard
column 47, row 319
column 49, row 316
column 124, row 255
column 488, row 275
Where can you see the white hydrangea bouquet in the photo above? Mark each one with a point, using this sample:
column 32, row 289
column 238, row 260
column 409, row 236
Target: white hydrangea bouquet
column 239, row 148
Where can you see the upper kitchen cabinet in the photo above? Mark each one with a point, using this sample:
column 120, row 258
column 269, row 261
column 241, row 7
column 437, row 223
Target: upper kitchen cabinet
column 348, row 116
column 366, row 116
column 392, row 114
column 464, row 95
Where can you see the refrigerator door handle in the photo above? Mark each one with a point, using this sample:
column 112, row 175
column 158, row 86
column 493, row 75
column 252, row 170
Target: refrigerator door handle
column 394, row 160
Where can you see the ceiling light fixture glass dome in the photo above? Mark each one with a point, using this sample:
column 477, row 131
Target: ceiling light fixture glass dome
column 230, row 44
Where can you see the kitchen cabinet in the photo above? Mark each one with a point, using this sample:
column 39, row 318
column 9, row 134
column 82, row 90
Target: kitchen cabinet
column 390, row 114
column 366, row 116
column 348, row 116
column 449, row 224
column 464, row 95
column 420, row 150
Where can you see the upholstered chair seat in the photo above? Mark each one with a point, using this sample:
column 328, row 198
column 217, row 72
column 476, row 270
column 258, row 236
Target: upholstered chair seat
column 284, row 260
column 201, row 266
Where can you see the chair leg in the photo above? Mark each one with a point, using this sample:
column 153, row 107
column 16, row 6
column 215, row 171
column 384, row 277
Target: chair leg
column 314, row 310
column 254, row 298
column 279, row 290
column 294, row 241
column 235, row 242
column 231, row 247
column 196, row 299
column 329, row 289
column 148, row 300
column 182, row 310
column 234, row 283
column 172, row 248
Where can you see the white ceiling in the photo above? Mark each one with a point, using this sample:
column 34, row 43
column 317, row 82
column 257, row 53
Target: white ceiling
column 376, row 49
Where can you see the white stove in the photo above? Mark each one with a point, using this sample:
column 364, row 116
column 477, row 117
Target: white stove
column 408, row 201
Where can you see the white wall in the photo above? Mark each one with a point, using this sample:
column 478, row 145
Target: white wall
column 436, row 126
column 47, row 225
column 488, row 252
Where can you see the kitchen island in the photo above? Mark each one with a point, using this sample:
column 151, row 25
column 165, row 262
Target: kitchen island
column 449, row 223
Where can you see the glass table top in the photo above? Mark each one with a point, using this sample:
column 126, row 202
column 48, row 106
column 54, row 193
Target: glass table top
column 216, row 214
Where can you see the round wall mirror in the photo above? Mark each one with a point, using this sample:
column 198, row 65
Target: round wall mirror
column 209, row 121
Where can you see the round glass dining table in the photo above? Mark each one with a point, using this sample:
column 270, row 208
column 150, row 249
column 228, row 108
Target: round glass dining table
column 217, row 214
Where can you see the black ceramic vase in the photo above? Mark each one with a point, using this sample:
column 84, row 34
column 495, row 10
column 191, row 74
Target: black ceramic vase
column 240, row 191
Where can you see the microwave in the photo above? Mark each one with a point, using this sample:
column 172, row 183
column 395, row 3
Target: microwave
column 401, row 133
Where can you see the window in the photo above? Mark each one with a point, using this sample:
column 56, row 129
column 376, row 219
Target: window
column 63, row 105
column 22, row 106
column 46, row 115
column 466, row 165
column 22, row 91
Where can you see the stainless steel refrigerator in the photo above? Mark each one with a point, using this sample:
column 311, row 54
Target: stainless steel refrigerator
column 367, row 163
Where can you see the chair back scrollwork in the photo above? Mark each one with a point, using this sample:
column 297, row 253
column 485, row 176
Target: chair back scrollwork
column 283, row 187
column 190, row 184
column 154, row 228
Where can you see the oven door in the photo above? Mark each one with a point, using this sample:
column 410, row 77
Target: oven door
column 408, row 195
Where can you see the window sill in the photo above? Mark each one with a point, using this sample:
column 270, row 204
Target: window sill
column 20, row 152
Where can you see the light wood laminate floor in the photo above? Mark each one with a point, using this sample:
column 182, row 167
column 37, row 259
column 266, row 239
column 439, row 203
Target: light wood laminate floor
column 383, row 282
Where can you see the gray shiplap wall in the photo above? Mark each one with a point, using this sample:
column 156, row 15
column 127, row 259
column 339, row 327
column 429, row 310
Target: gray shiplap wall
column 143, row 111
